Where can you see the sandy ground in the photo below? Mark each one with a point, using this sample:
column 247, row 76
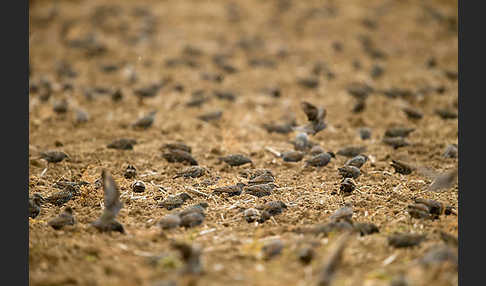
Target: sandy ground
column 291, row 36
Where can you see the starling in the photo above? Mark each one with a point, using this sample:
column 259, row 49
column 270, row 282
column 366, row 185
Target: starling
column 191, row 172
column 292, row 156
column 349, row 172
column 402, row 167
column 274, row 207
column 357, row 161
column 319, row 160
column 398, row 131
column 138, row 187
column 192, row 219
column 364, row 133
column 396, row 142
column 444, row 180
column 65, row 218
column 198, row 208
column 145, row 121
column 433, row 207
column 149, row 91
column 302, row 142
column 174, row 155
column 262, row 179
column 359, row 90
column 122, row 144
column 451, row 151
column 174, row 201
column 306, row 254
column 191, row 256
column 197, row 99
column 60, row 106
column 170, row 221
column 334, row 260
column 106, row 222
column 53, row 156
column 308, row 82
column 345, row 213
column 130, row 172
column 440, row 254
column 35, row 205
column 449, row 239
column 178, row 146
column 347, row 186
column 61, row 184
column 400, row 240
column 236, row 160
column 359, row 106
column 272, row 248
column 234, row 190
column 377, row 71
column 419, row 211
column 366, row 228
column 351, row 151
column 315, row 116
column 62, row 197
column 316, row 150
column 251, row 215
column 225, row 95
column 413, row 113
column 254, row 173
column 81, row 116
column 117, row 95
column 210, row 116
column 260, row 190
column 446, row 113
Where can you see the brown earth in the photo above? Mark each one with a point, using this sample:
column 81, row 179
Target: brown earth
column 295, row 37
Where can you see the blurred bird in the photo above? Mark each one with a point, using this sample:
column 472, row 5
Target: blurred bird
column 145, row 121
column 35, row 205
column 107, row 222
column 65, row 218
column 53, row 156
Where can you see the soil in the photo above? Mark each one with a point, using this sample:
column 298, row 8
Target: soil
column 294, row 35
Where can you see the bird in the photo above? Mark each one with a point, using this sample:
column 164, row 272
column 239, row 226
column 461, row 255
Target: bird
column 145, row 121
column 177, row 146
column 233, row 190
column 315, row 116
column 63, row 196
column 236, row 160
column 333, row 261
column 122, row 144
column 395, row 142
column 65, row 218
column 351, row 151
column 319, row 160
column 174, row 201
column 264, row 178
column 35, row 205
column 175, row 155
column 106, row 222
column 260, row 190
column 398, row 131
column 349, row 172
column 292, row 156
column 444, row 180
column 357, row 161
column 170, row 221
column 345, row 213
column 402, row 167
column 191, row 172
column 53, row 156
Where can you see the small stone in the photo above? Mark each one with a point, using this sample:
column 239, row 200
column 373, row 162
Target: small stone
column 138, row 187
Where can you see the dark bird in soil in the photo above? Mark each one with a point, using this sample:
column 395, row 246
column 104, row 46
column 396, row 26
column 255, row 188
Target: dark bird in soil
column 349, row 172
column 347, row 186
column 130, row 172
column 396, row 142
column 315, row 116
column 60, row 106
column 260, row 190
column 292, row 156
column 420, row 211
column 316, row 150
column 319, row 160
column 334, row 259
column 398, row 131
column 35, row 203
column 446, row 113
column 364, row 133
column 149, row 91
column 440, row 254
column 359, row 90
column 365, row 228
column 272, row 248
column 192, row 219
column 306, row 254
column 81, row 116
column 53, row 156
column 174, row 201
column 145, row 121
column 191, row 172
column 264, row 178
column 178, row 156
column 302, row 142
column 122, row 144
column 177, row 146
column 65, row 218
column 444, row 180
column 281, row 128
column 351, row 151
column 274, row 207
column 357, row 161
column 63, row 196
column 402, row 167
column 413, row 113
column 401, row 240
column 106, row 222
column 234, row 190
column 343, row 214
column 251, row 215
column 236, row 160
